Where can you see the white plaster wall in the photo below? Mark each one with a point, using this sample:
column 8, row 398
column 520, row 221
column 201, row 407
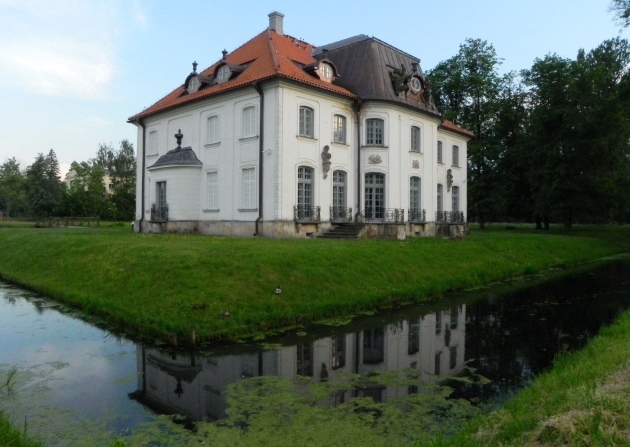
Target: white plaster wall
column 182, row 190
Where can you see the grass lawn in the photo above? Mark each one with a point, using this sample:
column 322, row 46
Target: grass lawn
column 153, row 285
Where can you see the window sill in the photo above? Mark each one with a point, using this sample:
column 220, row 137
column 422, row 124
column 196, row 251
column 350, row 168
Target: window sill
column 306, row 138
column 440, row 163
column 455, row 166
column 337, row 144
column 211, row 145
column 416, row 152
column 152, row 155
column 374, row 146
column 246, row 139
column 247, row 210
column 211, row 210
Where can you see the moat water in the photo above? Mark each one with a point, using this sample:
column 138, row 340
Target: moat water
column 73, row 381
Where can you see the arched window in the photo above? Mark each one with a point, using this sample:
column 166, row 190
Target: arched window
column 440, row 193
column 249, row 121
column 455, row 155
column 153, row 143
column 212, row 129
column 339, row 210
column 339, row 129
column 455, row 196
column 415, row 139
column 375, row 132
column 440, row 157
column 307, row 122
column 305, row 188
column 415, row 203
column 374, row 195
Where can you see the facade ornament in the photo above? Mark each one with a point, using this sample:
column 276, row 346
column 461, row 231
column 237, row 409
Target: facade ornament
column 400, row 77
column 375, row 159
column 449, row 180
column 415, row 164
column 178, row 137
column 326, row 156
column 195, row 67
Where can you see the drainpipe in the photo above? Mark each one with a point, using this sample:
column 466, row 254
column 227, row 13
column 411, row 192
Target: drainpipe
column 357, row 106
column 144, row 136
column 258, row 88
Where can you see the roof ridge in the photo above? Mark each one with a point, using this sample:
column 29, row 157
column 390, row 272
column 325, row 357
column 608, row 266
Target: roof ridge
column 273, row 51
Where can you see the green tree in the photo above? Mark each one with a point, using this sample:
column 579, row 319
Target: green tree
column 11, row 186
column 43, row 185
column 87, row 195
column 467, row 88
column 121, row 165
column 621, row 8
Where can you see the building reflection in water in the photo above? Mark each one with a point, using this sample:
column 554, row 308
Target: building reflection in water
column 194, row 386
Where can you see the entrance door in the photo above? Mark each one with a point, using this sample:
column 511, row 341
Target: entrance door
column 339, row 196
column 374, row 195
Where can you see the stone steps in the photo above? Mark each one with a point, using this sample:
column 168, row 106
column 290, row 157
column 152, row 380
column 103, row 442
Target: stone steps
column 342, row 231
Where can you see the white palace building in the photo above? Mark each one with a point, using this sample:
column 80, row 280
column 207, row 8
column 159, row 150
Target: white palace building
column 283, row 139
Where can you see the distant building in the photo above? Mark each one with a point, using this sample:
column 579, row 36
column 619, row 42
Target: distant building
column 71, row 177
column 284, row 139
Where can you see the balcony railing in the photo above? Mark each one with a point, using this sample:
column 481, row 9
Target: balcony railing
column 303, row 213
column 159, row 213
column 383, row 215
column 417, row 215
column 450, row 216
column 340, row 214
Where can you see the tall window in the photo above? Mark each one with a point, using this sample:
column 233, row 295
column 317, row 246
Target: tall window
column 455, row 155
column 213, row 190
column 440, row 193
column 414, row 194
column 249, row 121
column 338, row 351
column 212, row 129
column 153, row 143
column 374, row 195
column 413, row 336
column 304, row 359
column 249, row 188
column 440, row 157
column 307, row 122
column 160, row 195
column 305, row 187
column 455, row 195
column 415, row 139
column 339, row 189
column 374, row 132
column 339, row 129
column 373, row 346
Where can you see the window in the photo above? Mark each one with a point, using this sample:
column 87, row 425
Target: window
column 373, row 346
column 249, row 122
column 413, row 336
column 374, row 195
column 307, row 122
column 153, row 143
column 438, row 361
column 440, row 158
column 224, row 73
column 415, row 139
column 453, row 357
column 213, row 190
column 440, row 193
column 326, row 71
column 304, row 360
column 339, row 195
column 414, row 195
column 455, row 195
column 455, row 155
column 249, row 188
column 212, row 129
column 339, row 129
column 374, row 132
column 305, row 188
column 338, row 351
column 160, row 195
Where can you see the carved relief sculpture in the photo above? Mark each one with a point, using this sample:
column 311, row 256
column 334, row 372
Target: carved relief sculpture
column 326, row 156
column 375, row 159
column 415, row 164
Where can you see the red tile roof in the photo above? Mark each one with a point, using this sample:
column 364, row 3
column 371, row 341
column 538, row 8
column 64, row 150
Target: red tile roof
column 449, row 125
column 268, row 55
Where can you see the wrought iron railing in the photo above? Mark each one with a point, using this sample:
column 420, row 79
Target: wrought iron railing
column 450, row 216
column 303, row 213
column 383, row 215
column 417, row 215
column 159, row 213
column 340, row 214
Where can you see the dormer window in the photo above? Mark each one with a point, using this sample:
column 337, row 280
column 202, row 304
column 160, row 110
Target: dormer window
column 326, row 71
column 224, row 73
column 193, row 84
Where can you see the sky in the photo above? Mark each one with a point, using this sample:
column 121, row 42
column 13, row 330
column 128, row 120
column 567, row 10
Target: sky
column 73, row 71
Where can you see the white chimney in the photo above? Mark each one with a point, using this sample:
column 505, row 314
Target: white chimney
column 275, row 22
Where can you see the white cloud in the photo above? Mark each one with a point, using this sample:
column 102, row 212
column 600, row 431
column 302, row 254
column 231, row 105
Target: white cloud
column 57, row 67
column 99, row 123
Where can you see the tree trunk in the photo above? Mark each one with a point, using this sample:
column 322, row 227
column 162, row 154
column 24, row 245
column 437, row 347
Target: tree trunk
column 538, row 222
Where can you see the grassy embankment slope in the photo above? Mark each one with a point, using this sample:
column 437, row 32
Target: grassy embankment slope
column 158, row 284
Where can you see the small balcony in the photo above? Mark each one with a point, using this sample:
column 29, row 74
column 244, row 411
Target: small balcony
column 159, row 213
column 340, row 214
column 382, row 215
column 303, row 213
column 450, row 216
column 417, row 215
